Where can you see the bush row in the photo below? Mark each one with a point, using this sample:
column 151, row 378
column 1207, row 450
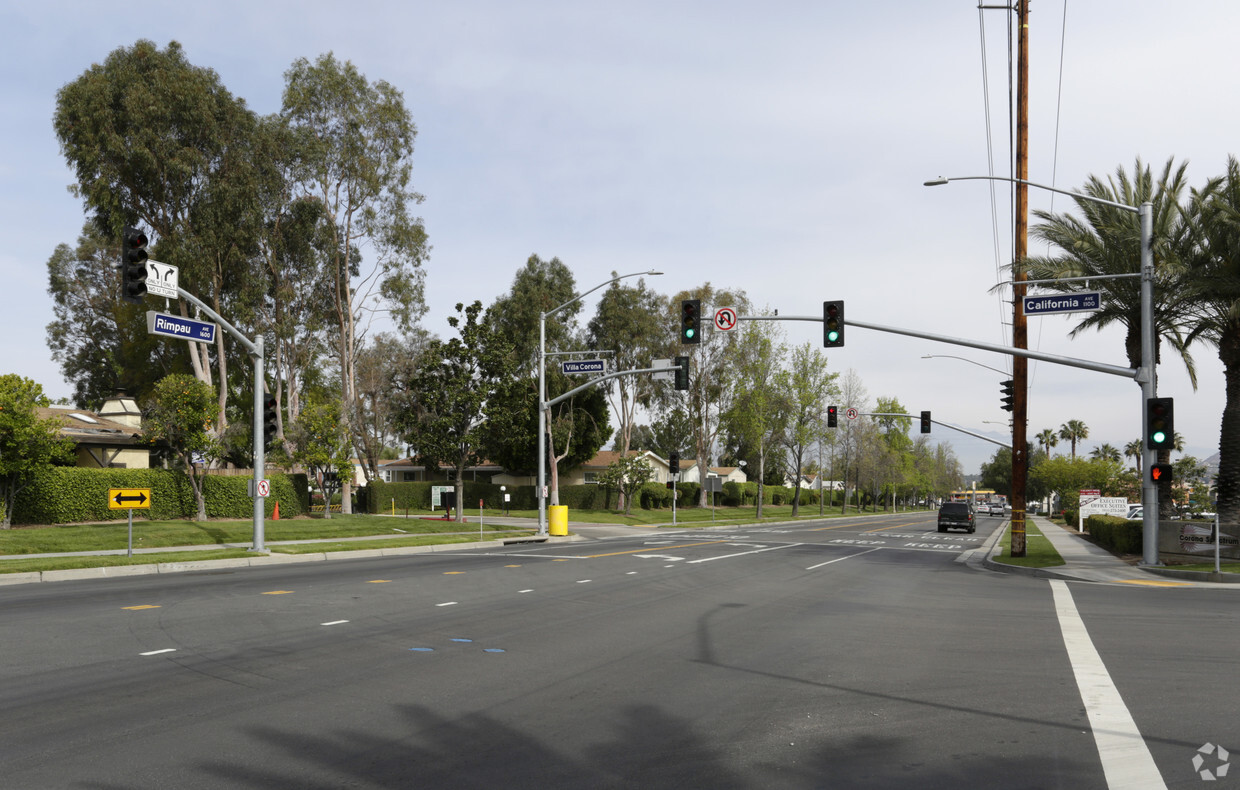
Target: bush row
column 67, row 494
column 1118, row 535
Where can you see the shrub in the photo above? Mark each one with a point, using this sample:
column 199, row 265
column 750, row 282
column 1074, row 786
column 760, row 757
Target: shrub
column 654, row 495
column 1118, row 535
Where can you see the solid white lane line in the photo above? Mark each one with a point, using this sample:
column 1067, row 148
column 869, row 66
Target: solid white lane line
column 335, row 622
column 841, row 559
column 742, row 554
column 1126, row 760
column 447, row 603
column 157, row 652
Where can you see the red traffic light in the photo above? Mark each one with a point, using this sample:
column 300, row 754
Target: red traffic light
column 1160, row 473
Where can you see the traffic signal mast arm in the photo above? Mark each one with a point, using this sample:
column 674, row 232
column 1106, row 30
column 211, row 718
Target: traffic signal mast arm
column 599, row 380
column 1099, row 367
column 936, row 422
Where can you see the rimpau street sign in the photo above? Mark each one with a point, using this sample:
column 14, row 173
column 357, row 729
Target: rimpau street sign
column 176, row 326
column 1086, row 301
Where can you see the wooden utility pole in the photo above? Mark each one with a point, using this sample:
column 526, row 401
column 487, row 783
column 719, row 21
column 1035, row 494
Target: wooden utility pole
column 1020, row 333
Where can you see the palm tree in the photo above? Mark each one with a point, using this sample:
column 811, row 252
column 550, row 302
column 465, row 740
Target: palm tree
column 1215, row 267
column 1108, row 242
column 1073, row 431
column 1048, row 439
column 1105, row 452
column 1136, row 451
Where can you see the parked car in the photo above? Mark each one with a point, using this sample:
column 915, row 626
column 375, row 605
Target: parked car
column 1135, row 512
column 957, row 515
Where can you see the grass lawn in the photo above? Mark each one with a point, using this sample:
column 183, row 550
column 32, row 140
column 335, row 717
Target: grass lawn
column 1039, row 553
column 158, row 534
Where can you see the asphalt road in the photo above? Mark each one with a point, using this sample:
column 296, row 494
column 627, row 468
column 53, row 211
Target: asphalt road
column 838, row 654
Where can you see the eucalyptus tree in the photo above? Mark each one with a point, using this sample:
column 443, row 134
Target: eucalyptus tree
column 153, row 139
column 450, row 397
column 806, row 385
column 354, row 145
column 100, row 342
column 576, row 427
column 713, row 385
column 1215, row 282
column 1072, row 432
column 759, row 406
column 629, row 324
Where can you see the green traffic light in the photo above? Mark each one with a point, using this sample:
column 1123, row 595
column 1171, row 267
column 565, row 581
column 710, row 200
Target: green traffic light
column 689, row 332
column 1159, row 437
column 833, row 336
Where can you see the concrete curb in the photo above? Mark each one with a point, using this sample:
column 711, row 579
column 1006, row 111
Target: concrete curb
column 259, row 560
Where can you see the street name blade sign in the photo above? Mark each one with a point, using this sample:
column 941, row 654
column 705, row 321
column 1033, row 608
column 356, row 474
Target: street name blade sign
column 582, row 366
column 176, row 326
column 161, row 279
column 129, row 498
column 1085, row 301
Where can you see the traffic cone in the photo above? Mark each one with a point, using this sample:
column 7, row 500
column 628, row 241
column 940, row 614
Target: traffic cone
column 275, row 514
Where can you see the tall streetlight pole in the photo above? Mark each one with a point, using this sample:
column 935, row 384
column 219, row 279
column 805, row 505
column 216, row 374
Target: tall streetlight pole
column 1146, row 374
column 540, row 482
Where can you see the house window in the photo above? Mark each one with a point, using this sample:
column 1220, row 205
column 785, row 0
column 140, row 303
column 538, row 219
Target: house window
column 592, row 478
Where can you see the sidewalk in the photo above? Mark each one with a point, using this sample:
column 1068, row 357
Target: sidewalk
column 1084, row 561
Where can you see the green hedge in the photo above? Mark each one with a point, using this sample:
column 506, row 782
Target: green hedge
column 69, row 494
column 378, row 496
column 1118, row 535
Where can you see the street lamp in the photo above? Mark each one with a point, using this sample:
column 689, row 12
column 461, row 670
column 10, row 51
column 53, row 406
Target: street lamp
column 963, row 359
column 542, row 392
column 1146, row 374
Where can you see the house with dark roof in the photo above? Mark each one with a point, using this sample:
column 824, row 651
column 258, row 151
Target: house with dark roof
column 110, row 438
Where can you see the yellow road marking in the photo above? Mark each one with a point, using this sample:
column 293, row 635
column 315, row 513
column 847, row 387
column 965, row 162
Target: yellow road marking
column 512, row 566
column 143, row 606
column 278, row 592
column 1156, row 584
column 452, row 573
column 378, row 581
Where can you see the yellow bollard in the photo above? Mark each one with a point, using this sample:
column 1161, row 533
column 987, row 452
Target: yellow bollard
column 557, row 519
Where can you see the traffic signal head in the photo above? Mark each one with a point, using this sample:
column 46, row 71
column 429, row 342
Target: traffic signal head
column 682, row 373
column 1160, row 473
column 832, row 324
column 1009, row 394
column 133, row 266
column 691, row 321
column 673, row 463
column 831, row 416
column 1159, row 423
column 925, row 422
column 271, row 409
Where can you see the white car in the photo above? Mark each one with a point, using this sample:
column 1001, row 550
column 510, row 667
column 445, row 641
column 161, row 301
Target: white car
column 1135, row 512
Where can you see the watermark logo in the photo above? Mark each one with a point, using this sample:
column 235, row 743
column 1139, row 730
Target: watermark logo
column 1219, row 764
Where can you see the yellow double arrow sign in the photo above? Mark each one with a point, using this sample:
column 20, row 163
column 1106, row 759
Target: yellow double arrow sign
column 126, row 498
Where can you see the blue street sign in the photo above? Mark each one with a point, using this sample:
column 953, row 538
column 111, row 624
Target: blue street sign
column 176, row 326
column 582, row 366
column 1062, row 303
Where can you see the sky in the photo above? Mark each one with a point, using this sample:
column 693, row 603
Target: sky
column 776, row 147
